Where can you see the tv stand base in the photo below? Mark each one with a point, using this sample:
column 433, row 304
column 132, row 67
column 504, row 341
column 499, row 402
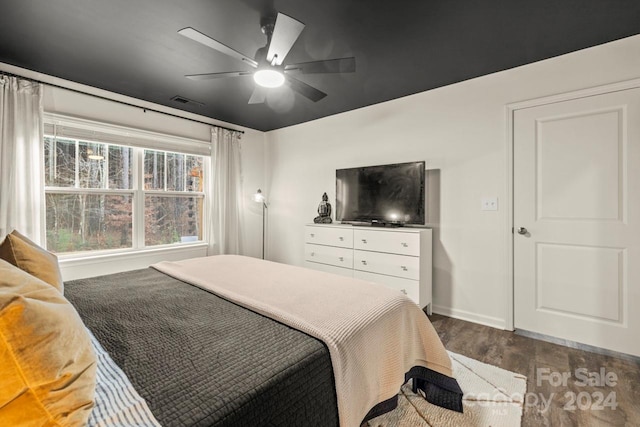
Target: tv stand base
column 386, row 224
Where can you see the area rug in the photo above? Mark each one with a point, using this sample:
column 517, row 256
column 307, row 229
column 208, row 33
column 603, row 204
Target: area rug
column 492, row 397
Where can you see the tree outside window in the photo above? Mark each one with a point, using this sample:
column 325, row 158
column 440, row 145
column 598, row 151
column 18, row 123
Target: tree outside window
column 94, row 191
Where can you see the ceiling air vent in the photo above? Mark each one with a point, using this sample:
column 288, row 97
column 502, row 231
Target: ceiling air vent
column 183, row 100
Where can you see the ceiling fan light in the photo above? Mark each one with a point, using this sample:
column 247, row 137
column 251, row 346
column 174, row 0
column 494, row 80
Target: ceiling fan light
column 269, row 78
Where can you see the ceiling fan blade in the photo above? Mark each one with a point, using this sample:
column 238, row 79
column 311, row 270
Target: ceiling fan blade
column 211, row 76
column 342, row 65
column 259, row 95
column 196, row 35
column 304, row 89
column 285, row 34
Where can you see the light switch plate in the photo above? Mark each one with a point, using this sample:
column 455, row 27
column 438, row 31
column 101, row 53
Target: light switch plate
column 489, row 204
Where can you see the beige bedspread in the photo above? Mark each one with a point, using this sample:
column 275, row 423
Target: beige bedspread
column 374, row 334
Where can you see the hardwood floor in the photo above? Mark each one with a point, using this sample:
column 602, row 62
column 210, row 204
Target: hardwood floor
column 610, row 401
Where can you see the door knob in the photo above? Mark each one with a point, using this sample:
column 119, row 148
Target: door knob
column 522, row 230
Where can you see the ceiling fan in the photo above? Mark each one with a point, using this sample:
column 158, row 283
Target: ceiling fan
column 270, row 72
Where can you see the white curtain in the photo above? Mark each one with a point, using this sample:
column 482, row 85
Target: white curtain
column 225, row 181
column 22, row 204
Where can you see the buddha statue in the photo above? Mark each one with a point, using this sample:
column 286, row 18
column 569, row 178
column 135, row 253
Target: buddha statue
column 324, row 211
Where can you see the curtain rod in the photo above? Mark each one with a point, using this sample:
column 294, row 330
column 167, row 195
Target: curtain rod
column 145, row 109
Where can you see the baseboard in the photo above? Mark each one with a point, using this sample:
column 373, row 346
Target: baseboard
column 494, row 322
column 579, row 346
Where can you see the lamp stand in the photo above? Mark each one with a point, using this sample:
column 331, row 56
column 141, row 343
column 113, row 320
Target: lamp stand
column 259, row 197
column 264, row 218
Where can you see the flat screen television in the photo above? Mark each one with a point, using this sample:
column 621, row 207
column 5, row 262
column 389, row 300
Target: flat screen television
column 385, row 194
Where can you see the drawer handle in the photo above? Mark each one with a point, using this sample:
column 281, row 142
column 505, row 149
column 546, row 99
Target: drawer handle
column 404, row 291
column 363, row 262
column 312, row 235
column 341, row 238
column 341, row 259
column 404, row 245
column 313, row 254
column 404, row 268
column 364, row 241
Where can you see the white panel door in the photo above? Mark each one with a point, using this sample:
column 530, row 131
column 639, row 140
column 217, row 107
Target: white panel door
column 577, row 220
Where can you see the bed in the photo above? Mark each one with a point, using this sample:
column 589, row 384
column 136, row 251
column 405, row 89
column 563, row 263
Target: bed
column 200, row 360
column 200, row 352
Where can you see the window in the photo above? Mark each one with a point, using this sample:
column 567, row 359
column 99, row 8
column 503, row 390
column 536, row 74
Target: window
column 172, row 212
column 104, row 196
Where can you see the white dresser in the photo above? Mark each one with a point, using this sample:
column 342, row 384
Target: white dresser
column 397, row 257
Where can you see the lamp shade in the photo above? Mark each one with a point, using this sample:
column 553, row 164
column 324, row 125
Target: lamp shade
column 258, row 197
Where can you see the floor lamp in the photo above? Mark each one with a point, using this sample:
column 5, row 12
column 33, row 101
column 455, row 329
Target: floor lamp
column 259, row 198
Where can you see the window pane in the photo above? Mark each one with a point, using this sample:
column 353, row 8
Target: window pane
column 194, row 171
column 176, row 173
column 60, row 162
column 91, row 163
column 84, row 222
column 153, row 170
column 120, row 167
column 172, row 219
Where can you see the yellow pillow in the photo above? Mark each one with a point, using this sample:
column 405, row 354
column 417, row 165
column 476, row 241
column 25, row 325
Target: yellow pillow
column 27, row 256
column 47, row 363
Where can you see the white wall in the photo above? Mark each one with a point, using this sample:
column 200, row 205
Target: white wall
column 459, row 130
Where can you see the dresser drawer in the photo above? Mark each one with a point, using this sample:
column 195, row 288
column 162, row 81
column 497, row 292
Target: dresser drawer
column 340, row 257
column 332, row 236
column 410, row 288
column 404, row 266
column 329, row 268
column 395, row 242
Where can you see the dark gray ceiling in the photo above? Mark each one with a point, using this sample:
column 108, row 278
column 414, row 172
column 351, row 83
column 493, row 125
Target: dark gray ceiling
column 132, row 47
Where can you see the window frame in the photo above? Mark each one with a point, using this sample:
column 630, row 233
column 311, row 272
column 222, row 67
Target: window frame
column 139, row 158
column 137, row 190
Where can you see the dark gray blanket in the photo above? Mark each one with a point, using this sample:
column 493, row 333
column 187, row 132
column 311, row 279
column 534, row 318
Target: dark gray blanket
column 199, row 360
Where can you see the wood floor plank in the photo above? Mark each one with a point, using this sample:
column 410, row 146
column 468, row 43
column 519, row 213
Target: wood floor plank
column 550, row 401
